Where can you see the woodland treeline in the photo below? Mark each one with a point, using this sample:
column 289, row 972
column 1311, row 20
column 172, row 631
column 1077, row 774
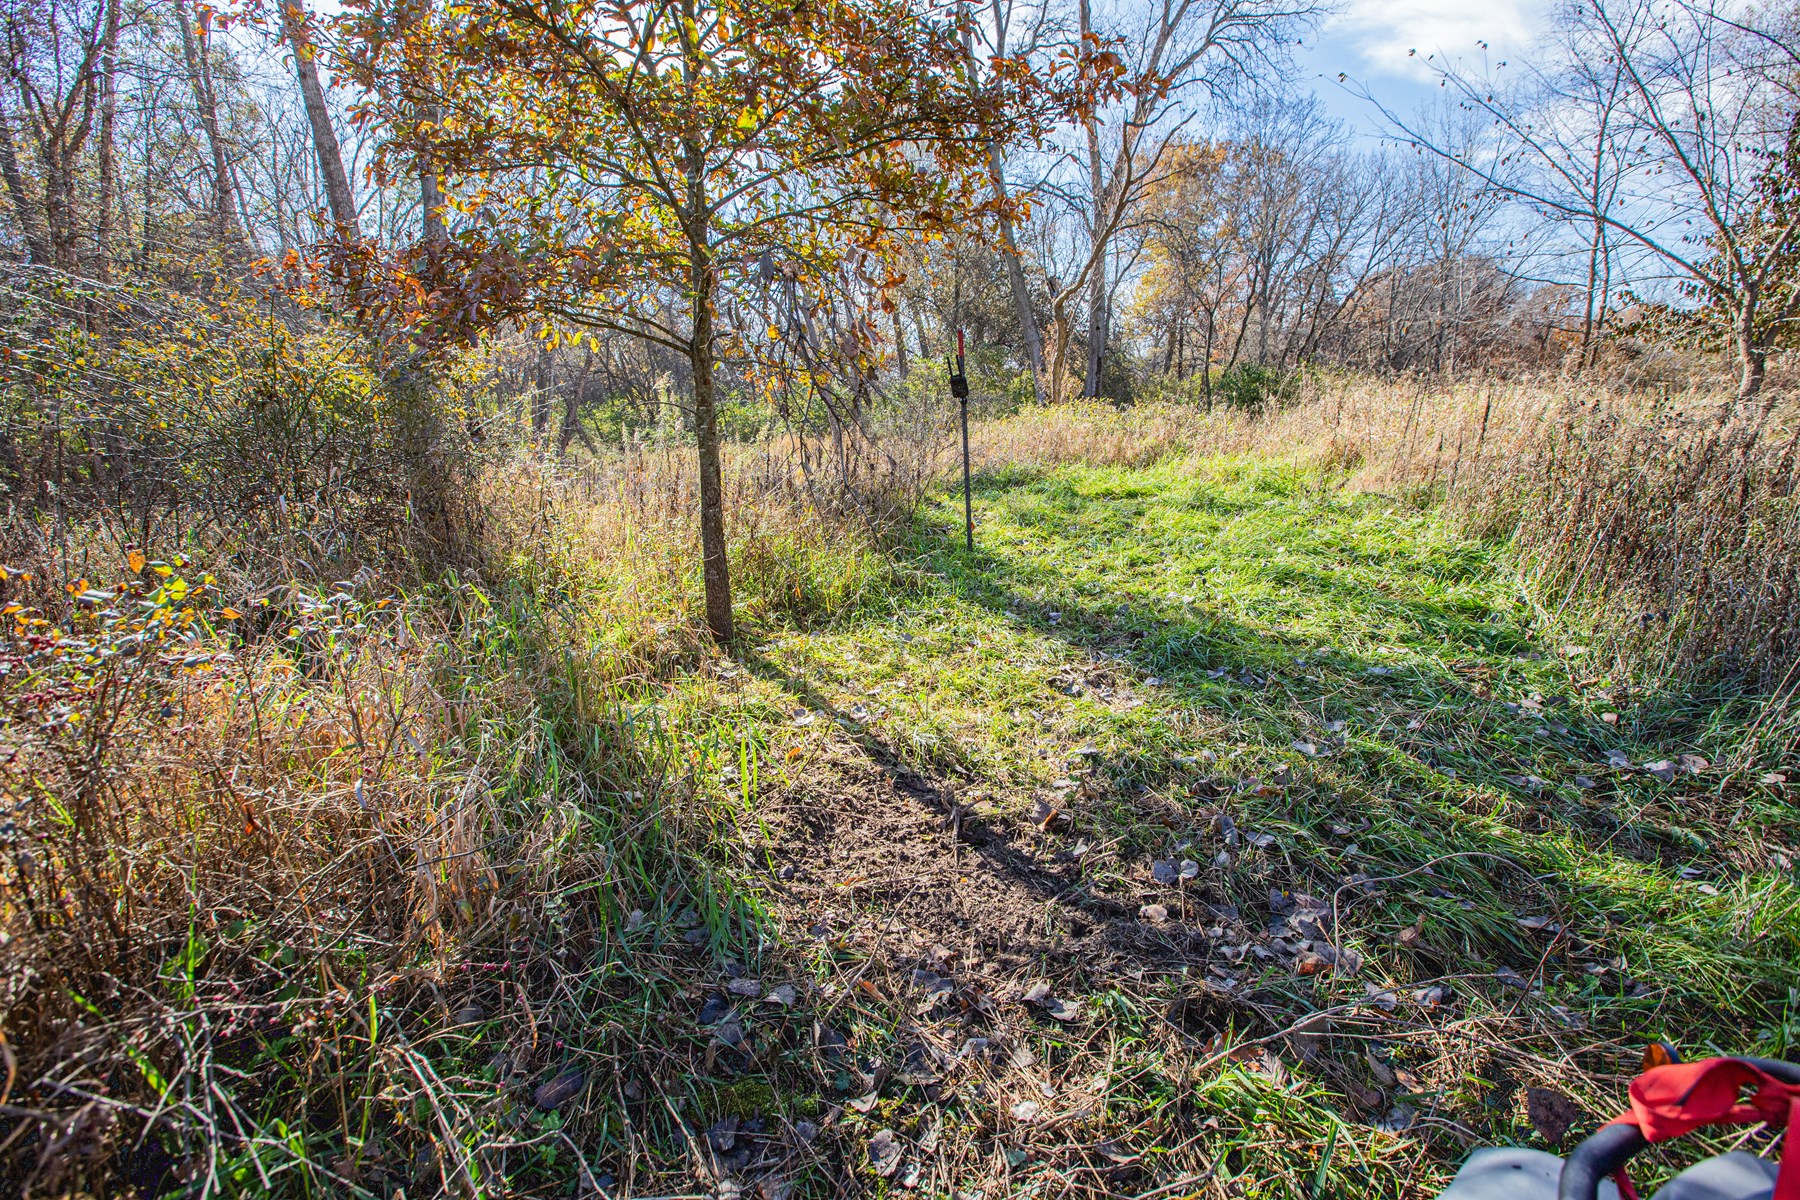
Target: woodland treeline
column 1194, row 214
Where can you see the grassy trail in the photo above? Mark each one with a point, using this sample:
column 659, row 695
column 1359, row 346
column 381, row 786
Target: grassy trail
column 1317, row 857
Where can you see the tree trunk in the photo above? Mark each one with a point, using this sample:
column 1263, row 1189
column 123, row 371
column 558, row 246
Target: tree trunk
column 574, row 401
column 1015, row 275
column 1098, row 322
column 714, row 564
column 338, row 196
column 1097, row 329
column 545, row 380
column 1593, row 286
column 431, row 196
column 60, row 208
column 1753, row 355
column 25, row 205
column 109, row 159
column 1061, row 334
column 199, row 78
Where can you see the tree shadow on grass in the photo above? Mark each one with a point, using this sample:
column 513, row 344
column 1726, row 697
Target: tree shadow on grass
column 1466, row 719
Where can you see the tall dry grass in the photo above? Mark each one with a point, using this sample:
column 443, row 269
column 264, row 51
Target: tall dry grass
column 1664, row 521
column 271, row 843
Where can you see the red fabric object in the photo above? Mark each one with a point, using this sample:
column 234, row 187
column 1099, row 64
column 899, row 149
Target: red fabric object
column 1667, row 1102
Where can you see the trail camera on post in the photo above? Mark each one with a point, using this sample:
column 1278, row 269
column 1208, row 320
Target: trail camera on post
column 959, row 387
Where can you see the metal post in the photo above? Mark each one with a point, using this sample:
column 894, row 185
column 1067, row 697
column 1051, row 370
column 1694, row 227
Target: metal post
column 959, row 387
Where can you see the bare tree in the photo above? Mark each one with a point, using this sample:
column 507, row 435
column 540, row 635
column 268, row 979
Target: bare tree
column 1675, row 173
column 1160, row 55
column 27, row 207
column 995, row 37
column 194, row 45
column 53, row 54
column 296, row 27
column 109, row 156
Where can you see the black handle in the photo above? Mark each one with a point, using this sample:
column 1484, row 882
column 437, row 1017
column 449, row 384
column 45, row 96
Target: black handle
column 1601, row 1156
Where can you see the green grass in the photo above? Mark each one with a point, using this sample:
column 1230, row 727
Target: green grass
column 1375, row 700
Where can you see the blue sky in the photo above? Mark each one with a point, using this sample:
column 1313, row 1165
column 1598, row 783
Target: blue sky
column 1369, row 40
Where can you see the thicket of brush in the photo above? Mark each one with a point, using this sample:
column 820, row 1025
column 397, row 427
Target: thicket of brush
column 320, row 695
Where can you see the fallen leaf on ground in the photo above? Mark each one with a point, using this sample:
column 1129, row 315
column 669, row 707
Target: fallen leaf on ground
column 1551, row 1113
column 1398, row 1119
column 885, row 1152
column 1308, row 1033
column 560, row 1090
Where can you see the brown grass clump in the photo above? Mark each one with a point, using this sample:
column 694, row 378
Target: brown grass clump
column 259, row 860
column 1091, row 432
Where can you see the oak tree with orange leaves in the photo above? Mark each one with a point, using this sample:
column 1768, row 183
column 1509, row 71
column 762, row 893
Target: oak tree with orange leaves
column 630, row 166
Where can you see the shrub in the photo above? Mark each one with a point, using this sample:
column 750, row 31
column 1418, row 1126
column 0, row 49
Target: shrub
column 220, row 417
column 1250, row 387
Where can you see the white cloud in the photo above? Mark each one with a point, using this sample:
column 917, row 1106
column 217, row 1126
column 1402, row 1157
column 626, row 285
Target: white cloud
column 1383, row 32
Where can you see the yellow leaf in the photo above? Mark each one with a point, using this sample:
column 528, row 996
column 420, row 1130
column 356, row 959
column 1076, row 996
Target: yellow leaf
column 136, row 560
column 230, row 614
column 747, row 119
column 165, row 572
column 774, row 334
